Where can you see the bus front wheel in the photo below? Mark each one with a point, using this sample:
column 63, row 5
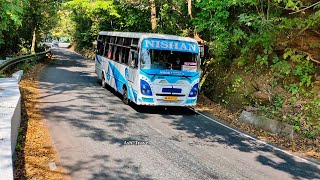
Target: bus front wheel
column 125, row 98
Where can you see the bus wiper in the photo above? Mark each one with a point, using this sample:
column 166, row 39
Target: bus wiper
column 186, row 77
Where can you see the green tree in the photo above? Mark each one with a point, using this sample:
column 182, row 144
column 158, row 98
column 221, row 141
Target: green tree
column 30, row 19
column 88, row 16
column 10, row 17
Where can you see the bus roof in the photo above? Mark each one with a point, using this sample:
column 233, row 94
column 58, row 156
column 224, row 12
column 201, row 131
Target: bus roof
column 147, row 35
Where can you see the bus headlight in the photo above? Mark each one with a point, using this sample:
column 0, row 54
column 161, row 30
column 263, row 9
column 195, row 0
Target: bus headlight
column 145, row 88
column 194, row 90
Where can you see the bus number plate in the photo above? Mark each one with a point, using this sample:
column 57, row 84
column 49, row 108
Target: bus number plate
column 170, row 98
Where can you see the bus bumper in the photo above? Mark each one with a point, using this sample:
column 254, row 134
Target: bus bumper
column 150, row 101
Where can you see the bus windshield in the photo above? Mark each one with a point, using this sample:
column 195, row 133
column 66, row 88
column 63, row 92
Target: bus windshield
column 169, row 54
column 164, row 59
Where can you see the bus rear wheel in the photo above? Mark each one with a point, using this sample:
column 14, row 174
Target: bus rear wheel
column 125, row 98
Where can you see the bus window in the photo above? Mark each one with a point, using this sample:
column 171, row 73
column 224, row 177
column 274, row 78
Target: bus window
column 126, row 55
column 123, row 52
column 106, row 47
column 123, row 55
column 110, row 54
column 120, row 53
column 112, row 39
column 119, row 49
column 127, row 42
column 119, row 41
column 116, row 53
column 99, row 47
column 135, row 42
column 108, row 39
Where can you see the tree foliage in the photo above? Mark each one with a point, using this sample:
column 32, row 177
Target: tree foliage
column 9, row 15
column 24, row 17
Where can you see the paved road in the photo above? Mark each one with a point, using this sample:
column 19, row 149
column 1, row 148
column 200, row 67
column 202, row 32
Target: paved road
column 90, row 125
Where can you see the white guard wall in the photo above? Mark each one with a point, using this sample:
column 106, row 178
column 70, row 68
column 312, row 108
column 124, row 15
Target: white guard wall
column 10, row 118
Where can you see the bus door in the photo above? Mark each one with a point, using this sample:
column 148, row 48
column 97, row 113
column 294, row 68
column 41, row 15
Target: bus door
column 133, row 67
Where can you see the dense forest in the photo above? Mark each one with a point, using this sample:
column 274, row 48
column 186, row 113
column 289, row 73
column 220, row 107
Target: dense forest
column 262, row 54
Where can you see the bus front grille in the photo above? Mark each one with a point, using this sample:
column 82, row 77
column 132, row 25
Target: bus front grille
column 178, row 95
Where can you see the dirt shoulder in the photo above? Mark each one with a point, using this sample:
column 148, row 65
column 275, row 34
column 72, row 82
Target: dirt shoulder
column 36, row 156
column 308, row 148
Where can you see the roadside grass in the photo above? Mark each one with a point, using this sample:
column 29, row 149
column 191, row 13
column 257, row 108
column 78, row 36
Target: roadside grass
column 34, row 147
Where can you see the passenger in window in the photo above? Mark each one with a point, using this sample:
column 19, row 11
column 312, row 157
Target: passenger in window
column 110, row 55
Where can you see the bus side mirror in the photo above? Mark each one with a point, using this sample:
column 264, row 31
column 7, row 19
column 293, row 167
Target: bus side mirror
column 201, row 47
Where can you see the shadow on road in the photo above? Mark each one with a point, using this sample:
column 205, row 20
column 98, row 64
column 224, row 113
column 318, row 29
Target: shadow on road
column 211, row 132
column 99, row 165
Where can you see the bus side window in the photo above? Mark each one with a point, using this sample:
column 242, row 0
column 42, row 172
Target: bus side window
column 116, row 53
column 126, row 56
column 135, row 42
column 120, row 53
column 100, row 37
column 99, row 47
column 120, row 47
column 112, row 39
column 111, row 48
column 119, row 40
column 110, row 54
column 123, row 55
column 127, row 42
column 106, row 47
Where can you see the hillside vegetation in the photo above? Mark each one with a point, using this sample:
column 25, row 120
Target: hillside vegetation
column 262, row 55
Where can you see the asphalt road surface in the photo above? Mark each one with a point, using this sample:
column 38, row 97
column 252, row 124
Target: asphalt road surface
column 98, row 137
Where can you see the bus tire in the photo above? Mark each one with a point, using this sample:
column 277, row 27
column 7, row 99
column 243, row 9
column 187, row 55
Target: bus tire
column 103, row 83
column 125, row 98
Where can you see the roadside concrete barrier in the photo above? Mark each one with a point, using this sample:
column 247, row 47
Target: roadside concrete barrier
column 267, row 124
column 10, row 118
column 17, row 75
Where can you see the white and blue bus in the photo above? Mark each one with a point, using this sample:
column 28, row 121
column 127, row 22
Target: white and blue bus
column 149, row 69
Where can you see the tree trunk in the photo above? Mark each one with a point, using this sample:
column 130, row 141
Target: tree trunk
column 153, row 15
column 33, row 45
column 190, row 8
column 195, row 34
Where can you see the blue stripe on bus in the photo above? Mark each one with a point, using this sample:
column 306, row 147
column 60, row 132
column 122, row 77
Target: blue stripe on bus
column 191, row 101
column 168, row 72
column 134, row 95
column 97, row 58
column 108, row 74
column 120, row 80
